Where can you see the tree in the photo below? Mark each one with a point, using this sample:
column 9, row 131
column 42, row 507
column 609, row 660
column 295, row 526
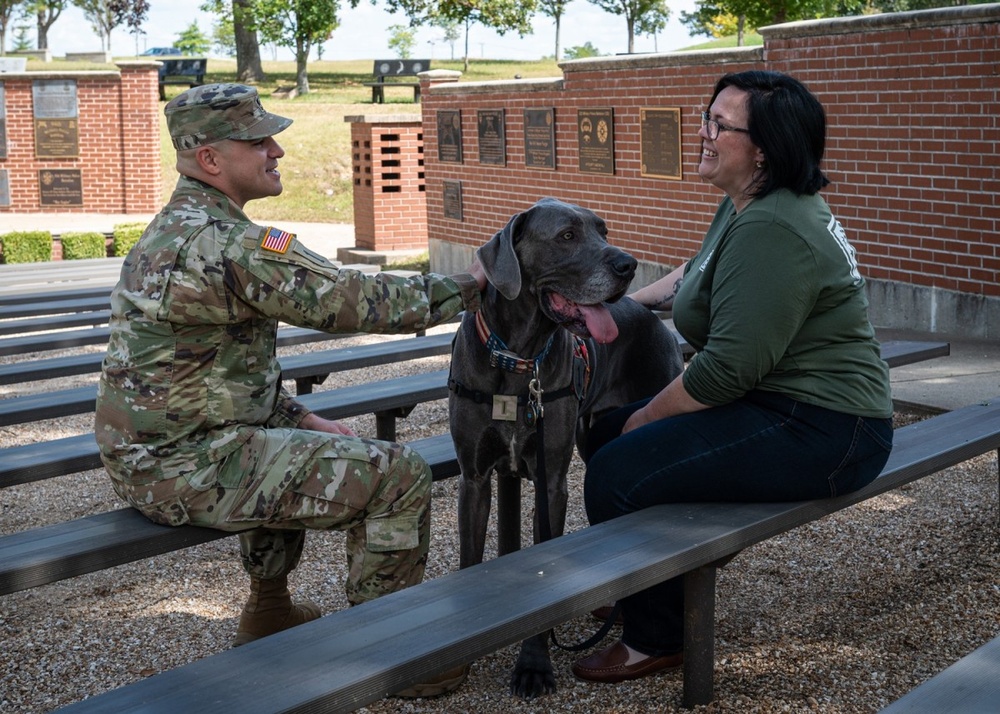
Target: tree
column 239, row 15
column 653, row 23
column 105, row 15
column 452, row 32
column 401, row 40
column 46, row 12
column 581, row 51
column 223, row 36
column 7, row 8
column 633, row 11
column 22, row 43
column 296, row 24
column 192, row 40
column 555, row 10
column 502, row 16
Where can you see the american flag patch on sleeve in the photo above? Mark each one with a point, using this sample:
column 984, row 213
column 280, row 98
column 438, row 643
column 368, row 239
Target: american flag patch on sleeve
column 276, row 240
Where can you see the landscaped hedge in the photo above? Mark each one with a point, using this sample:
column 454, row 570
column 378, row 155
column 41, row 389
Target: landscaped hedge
column 77, row 245
column 124, row 237
column 26, row 246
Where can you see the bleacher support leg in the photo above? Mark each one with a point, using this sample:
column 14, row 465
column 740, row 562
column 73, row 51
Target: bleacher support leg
column 699, row 636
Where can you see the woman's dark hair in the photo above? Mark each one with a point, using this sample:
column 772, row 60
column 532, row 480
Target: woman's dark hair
column 788, row 124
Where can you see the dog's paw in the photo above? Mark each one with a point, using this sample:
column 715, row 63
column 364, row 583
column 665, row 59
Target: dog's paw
column 531, row 683
column 533, row 676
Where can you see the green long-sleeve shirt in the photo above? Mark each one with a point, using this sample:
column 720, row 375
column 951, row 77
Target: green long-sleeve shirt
column 774, row 301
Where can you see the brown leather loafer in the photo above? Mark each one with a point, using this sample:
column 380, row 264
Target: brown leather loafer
column 609, row 666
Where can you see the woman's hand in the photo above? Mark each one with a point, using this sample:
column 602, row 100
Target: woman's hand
column 318, row 423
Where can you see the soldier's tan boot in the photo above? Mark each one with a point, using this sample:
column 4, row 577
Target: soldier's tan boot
column 270, row 609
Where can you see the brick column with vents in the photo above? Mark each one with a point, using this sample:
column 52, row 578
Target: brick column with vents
column 387, row 157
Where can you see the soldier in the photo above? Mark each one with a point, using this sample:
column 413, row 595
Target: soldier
column 192, row 421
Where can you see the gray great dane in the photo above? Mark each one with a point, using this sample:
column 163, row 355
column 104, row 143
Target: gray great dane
column 553, row 344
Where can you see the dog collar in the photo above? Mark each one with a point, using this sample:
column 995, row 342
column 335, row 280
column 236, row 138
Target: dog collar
column 500, row 354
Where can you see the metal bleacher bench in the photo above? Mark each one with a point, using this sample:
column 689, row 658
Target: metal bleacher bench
column 181, row 70
column 632, row 553
column 970, row 686
column 350, row 658
column 393, row 69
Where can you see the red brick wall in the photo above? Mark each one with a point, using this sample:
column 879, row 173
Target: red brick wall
column 388, row 164
column 119, row 141
column 913, row 143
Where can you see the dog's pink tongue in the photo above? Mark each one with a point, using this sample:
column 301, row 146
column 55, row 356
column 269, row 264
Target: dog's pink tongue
column 600, row 324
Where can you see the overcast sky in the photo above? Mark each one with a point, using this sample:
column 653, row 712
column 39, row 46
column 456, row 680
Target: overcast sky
column 363, row 33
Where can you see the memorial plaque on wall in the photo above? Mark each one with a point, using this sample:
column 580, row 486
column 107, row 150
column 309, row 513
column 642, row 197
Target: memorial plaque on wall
column 453, row 199
column 4, row 188
column 540, row 138
column 660, row 137
column 54, row 107
column 596, row 140
column 449, row 131
column 60, row 187
column 3, row 124
column 492, row 136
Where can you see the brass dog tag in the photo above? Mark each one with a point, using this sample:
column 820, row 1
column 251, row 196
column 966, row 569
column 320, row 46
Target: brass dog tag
column 504, row 407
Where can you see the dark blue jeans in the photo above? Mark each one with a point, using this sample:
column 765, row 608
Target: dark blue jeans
column 763, row 447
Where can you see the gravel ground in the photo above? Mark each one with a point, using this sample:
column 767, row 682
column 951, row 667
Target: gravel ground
column 843, row 615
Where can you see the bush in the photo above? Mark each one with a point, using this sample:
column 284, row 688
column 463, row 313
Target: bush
column 26, row 246
column 77, row 245
column 125, row 236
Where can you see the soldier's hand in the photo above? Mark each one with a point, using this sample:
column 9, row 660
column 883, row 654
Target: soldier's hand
column 317, row 423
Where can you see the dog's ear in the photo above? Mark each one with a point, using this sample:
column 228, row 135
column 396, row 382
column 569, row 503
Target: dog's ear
column 499, row 260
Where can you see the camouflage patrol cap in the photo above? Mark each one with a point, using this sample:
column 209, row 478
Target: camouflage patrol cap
column 213, row 112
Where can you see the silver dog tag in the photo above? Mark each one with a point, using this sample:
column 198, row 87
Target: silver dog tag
column 504, row 407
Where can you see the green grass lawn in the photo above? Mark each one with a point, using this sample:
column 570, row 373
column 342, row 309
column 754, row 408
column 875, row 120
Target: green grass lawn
column 316, row 170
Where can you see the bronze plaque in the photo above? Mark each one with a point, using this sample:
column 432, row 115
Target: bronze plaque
column 660, row 138
column 540, row 138
column 453, row 199
column 492, row 136
column 449, row 130
column 596, row 140
column 60, row 187
column 57, row 138
column 4, row 188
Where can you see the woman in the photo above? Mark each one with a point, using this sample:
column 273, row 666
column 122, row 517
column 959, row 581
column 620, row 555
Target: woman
column 786, row 397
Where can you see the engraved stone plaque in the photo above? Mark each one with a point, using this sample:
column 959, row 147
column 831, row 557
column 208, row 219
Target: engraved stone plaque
column 453, row 199
column 3, row 123
column 660, row 138
column 60, row 187
column 4, row 188
column 449, row 131
column 492, row 136
column 540, row 138
column 596, row 140
column 54, row 98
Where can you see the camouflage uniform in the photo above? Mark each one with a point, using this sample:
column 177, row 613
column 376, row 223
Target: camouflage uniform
column 193, row 424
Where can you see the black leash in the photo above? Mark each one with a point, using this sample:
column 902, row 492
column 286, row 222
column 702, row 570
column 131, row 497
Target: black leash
column 545, row 528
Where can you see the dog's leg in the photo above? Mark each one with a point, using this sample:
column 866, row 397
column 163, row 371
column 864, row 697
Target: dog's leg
column 474, row 502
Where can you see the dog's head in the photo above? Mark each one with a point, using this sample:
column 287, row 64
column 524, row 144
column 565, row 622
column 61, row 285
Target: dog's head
column 559, row 253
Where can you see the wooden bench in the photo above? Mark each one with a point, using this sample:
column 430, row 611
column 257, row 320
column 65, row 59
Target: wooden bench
column 353, row 657
column 970, row 686
column 182, row 70
column 393, row 69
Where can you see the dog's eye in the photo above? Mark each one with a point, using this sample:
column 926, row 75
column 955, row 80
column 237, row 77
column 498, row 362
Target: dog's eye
column 567, row 235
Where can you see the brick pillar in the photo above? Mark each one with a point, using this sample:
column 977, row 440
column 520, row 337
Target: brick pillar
column 140, row 140
column 387, row 156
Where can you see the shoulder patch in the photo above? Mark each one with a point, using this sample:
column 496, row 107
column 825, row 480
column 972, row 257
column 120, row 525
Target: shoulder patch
column 276, row 240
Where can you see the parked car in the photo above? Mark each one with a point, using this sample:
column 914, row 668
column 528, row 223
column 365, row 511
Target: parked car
column 155, row 51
